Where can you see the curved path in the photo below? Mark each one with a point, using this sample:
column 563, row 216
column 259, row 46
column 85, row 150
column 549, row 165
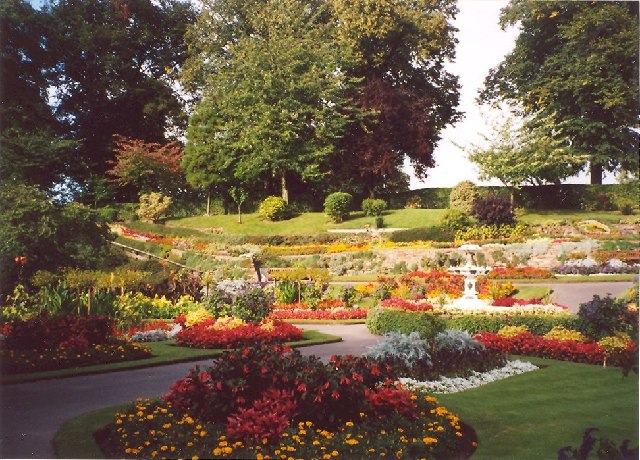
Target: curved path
column 31, row 413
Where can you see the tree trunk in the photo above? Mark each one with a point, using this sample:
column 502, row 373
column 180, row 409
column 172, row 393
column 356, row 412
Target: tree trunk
column 596, row 173
column 239, row 213
column 285, row 192
column 208, row 203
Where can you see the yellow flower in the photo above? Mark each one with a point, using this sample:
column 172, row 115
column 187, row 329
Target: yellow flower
column 351, row 442
column 349, row 424
column 217, row 452
column 429, row 440
column 335, row 453
column 166, row 425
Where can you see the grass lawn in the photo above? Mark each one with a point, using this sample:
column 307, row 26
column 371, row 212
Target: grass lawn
column 526, row 417
column 317, row 222
column 164, row 353
column 307, row 223
column 529, row 292
column 532, row 415
column 540, row 217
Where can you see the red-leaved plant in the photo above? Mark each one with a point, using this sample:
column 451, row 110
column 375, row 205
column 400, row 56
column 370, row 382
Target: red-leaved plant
column 266, row 418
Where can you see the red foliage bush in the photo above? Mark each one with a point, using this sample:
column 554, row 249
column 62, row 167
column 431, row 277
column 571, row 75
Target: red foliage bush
column 203, row 335
column 386, row 400
column 46, row 332
column 266, row 418
column 148, row 326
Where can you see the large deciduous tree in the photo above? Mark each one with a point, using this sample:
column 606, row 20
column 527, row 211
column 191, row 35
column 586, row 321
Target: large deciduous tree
column 33, row 149
column 115, row 63
column 577, row 64
column 530, row 150
column 273, row 96
column 401, row 49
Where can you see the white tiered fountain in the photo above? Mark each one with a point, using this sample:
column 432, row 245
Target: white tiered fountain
column 471, row 270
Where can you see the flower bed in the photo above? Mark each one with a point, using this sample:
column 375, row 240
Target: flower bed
column 406, row 305
column 565, row 350
column 519, row 273
column 272, row 402
column 330, row 314
column 210, row 334
column 447, row 385
column 511, row 302
column 46, row 343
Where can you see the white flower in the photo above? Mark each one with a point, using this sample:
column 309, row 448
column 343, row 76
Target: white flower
column 457, row 384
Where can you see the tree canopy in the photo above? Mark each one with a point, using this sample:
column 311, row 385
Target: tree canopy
column 577, row 64
column 273, row 104
column 295, row 90
column 401, row 49
column 113, row 72
column 530, row 150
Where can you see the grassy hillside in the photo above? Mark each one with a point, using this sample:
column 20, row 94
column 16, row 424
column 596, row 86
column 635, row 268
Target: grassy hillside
column 317, row 222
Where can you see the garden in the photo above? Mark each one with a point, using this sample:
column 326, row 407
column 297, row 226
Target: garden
column 241, row 300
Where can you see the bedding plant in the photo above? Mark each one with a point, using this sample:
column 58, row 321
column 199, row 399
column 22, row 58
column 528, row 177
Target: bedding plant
column 269, row 401
column 47, row 342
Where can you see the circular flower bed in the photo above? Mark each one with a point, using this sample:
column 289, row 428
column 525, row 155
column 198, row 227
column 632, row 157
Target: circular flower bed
column 272, row 402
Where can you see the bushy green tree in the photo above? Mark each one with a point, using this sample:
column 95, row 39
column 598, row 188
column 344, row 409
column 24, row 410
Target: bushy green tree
column 337, row 205
column 273, row 92
column 45, row 236
column 463, row 195
column 577, row 64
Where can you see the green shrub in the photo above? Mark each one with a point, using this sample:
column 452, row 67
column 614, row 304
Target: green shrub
column 537, row 324
column 421, row 234
column 490, row 232
column 494, row 210
column 337, row 205
column 383, row 321
column 153, row 206
column 379, row 222
column 273, row 208
column 605, row 316
column 108, row 213
column 625, row 205
column 463, row 196
column 373, row 207
column 455, row 219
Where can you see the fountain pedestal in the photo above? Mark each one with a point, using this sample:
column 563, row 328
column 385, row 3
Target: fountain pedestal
column 471, row 271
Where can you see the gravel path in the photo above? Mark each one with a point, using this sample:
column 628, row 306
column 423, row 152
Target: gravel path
column 31, row 413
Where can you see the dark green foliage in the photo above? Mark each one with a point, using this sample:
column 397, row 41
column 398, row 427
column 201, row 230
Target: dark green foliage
column 48, row 235
column 537, row 324
column 383, row 320
column 455, row 219
column 576, row 63
column 373, row 207
column 379, row 222
column 493, row 210
column 421, row 234
column 604, row 316
column 337, row 205
column 606, row 449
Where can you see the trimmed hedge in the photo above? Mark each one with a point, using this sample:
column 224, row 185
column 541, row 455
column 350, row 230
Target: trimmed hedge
column 564, row 196
column 422, row 234
column 537, row 324
column 384, row 320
